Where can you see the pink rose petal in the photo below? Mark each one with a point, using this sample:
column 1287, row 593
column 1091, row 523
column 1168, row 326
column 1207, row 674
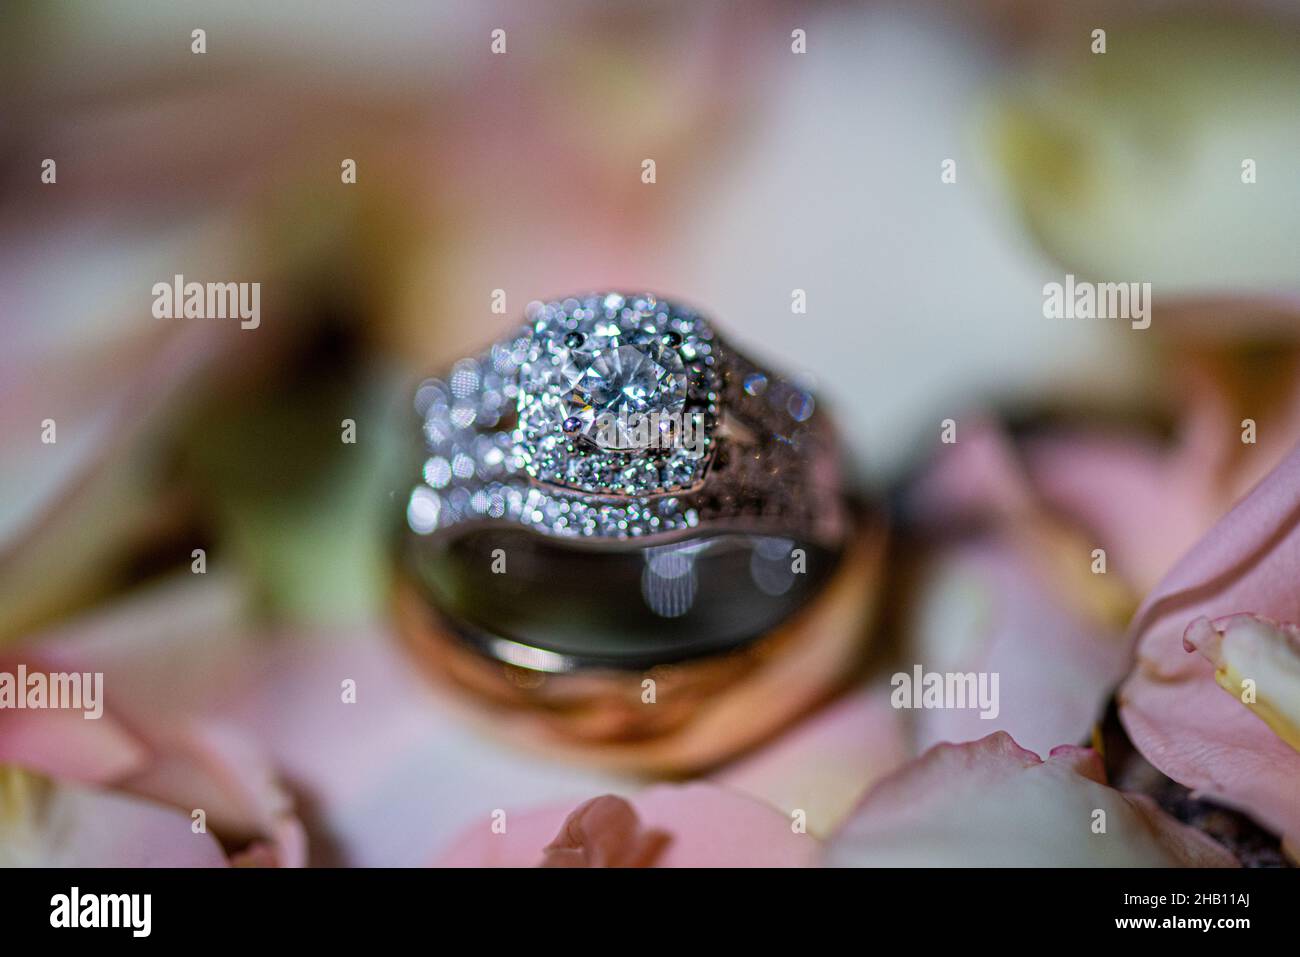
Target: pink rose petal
column 604, row 832
column 63, row 743
column 50, row 824
column 1257, row 661
column 213, row 768
column 1144, row 502
column 992, row 803
column 1172, row 707
column 977, row 478
column 153, row 739
column 983, row 608
column 706, row 826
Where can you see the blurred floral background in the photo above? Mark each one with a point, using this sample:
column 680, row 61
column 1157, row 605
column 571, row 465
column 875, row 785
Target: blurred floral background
column 776, row 171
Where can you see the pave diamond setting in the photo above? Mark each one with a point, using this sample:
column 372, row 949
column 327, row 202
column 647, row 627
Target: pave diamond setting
column 493, row 453
column 594, row 364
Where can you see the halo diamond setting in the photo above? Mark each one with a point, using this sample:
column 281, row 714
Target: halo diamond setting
column 593, row 367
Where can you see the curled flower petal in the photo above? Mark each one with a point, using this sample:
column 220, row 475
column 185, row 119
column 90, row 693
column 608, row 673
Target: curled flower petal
column 191, row 689
column 1257, row 661
column 703, row 826
column 44, row 823
column 604, row 832
column 151, row 741
column 64, row 744
column 1172, row 706
column 992, row 803
column 214, row 768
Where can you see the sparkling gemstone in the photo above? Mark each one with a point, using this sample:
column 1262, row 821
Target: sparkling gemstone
column 605, row 378
column 619, row 384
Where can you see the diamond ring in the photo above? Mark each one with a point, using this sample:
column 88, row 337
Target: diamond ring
column 614, row 486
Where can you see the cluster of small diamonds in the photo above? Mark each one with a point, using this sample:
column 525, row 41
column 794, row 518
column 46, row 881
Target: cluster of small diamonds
column 558, row 331
column 477, row 469
column 430, row 509
column 477, row 459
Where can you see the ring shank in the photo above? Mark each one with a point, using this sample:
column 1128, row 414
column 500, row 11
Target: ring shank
column 631, row 609
column 695, row 714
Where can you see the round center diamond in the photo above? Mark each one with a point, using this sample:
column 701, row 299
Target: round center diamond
column 617, row 386
column 627, row 378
